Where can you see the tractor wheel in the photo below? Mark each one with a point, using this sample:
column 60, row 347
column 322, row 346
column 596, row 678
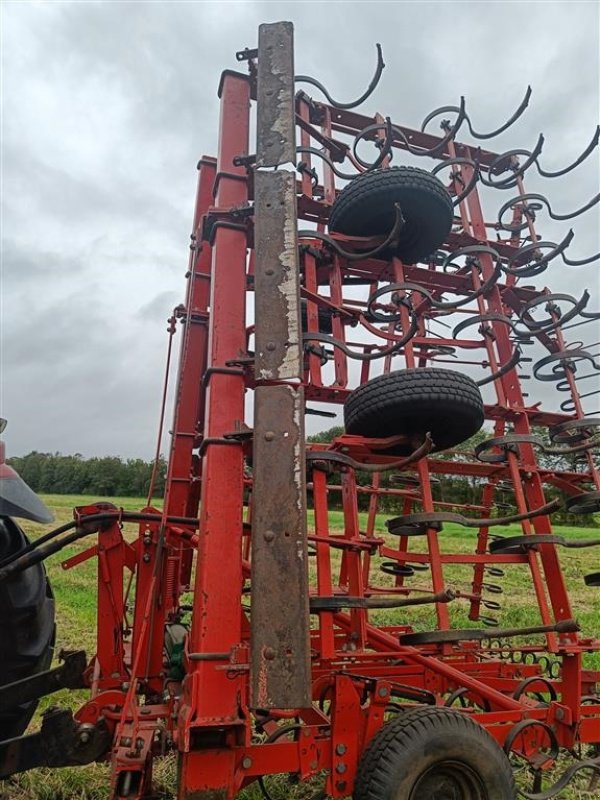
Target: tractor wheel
column 27, row 614
column 365, row 207
column 413, row 402
column 433, row 753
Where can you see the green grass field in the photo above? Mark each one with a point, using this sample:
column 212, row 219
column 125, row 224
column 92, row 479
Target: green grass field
column 76, row 619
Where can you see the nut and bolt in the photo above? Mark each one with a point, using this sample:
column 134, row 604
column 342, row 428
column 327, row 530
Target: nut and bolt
column 341, row 768
column 271, row 346
column 246, row 762
column 269, row 653
column 340, row 749
column 268, row 536
column 383, row 692
column 269, row 436
column 146, row 557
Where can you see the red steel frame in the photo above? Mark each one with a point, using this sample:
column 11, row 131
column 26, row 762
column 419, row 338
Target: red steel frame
column 356, row 664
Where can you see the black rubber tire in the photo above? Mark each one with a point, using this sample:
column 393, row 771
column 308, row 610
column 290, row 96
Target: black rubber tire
column 430, row 740
column 365, row 207
column 27, row 615
column 413, row 402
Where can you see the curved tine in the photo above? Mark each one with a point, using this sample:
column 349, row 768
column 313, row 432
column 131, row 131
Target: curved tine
column 580, row 262
column 453, row 109
column 441, row 110
column 527, row 268
column 386, row 351
column 474, row 163
column 342, row 458
column 390, row 239
column 590, row 314
column 589, row 149
column 511, row 181
column 507, row 124
column 549, row 324
column 371, row 88
column 481, row 319
column 385, row 149
column 530, row 207
column 416, row 151
column 345, row 176
column 438, row 304
column 563, row 781
column 536, row 206
column 512, row 362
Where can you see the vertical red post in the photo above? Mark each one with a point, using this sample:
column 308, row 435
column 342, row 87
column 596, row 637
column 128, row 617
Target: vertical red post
column 211, row 697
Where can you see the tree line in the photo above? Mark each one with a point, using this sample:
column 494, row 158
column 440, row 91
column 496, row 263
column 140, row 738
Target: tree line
column 110, row 476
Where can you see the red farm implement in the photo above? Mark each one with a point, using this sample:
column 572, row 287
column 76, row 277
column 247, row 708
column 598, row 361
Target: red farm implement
column 251, row 641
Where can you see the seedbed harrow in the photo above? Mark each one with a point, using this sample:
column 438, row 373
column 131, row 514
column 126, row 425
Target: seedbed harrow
column 249, row 645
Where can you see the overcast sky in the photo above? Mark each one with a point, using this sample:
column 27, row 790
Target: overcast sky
column 107, row 107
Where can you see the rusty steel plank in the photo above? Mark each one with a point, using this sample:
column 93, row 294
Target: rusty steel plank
column 277, row 289
column 280, row 647
column 276, row 130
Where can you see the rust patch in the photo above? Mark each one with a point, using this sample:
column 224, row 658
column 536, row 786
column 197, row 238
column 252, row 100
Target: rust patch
column 280, row 667
column 275, row 87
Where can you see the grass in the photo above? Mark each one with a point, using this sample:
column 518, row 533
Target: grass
column 76, row 619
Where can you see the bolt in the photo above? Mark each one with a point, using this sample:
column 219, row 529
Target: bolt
column 560, row 713
column 125, row 741
column 341, row 768
column 84, row 737
column 269, row 436
column 268, row 536
column 147, row 539
column 269, row 653
column 124, row 686
column 383, row 692
column 271, row 346
column 247, row 763
column 341, row 749
column 269, row 271
column 146, row 557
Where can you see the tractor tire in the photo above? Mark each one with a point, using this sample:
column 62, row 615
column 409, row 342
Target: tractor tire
column 432, row 753
column 414, row 402
column 365, row 207
column 27, row 614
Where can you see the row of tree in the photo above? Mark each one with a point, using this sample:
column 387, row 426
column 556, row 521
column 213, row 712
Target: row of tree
column 53, row 473
column 113, row 477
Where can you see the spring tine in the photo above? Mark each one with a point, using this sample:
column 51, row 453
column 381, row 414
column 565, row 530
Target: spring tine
column 369, row 91
column 589, row 149
column 540, row 201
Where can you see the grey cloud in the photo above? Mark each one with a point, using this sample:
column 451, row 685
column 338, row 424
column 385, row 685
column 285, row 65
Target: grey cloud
column 107, row 108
